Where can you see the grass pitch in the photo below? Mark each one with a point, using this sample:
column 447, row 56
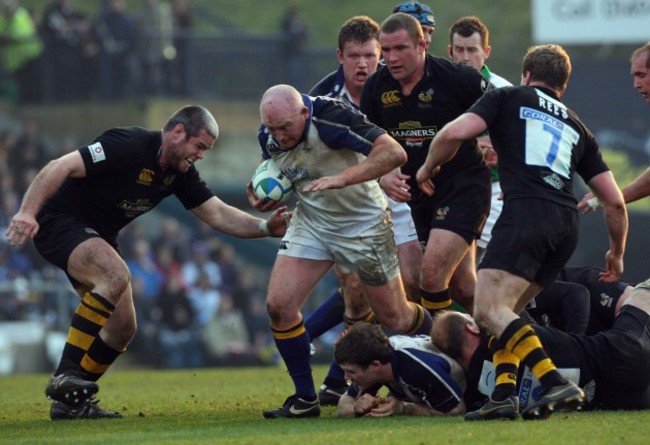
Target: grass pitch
column 224, row 406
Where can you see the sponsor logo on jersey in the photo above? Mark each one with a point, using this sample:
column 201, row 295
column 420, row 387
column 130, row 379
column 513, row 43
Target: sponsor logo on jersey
column 145, row 177
column 554, row 181
column 97, row 152
column 390, row 98
column 412, row 134
column 133, row 209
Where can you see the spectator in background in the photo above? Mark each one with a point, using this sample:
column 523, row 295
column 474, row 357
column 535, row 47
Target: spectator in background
column 295, row 36
column 183, row 23
column 226, row 335
column 116, row 30
column 20, row 53
column 155, row 37
column 68, row 51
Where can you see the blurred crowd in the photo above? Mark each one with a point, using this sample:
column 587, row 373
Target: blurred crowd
column 199, row 302
column 62, row 54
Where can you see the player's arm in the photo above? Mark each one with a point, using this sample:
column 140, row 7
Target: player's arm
column 385, row 155
column 232, row 221
column 44, row 185
column 445, row 144
column 611, row 199
column 395, row 406
column 639, row 188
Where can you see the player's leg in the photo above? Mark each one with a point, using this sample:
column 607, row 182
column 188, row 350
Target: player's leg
column 410, row 255
column 444, row 252
column 394, row 311
column 463, row 280
column 292, row 279
column 103, row 279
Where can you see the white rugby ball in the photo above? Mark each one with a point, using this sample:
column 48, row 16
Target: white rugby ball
column 270, row 184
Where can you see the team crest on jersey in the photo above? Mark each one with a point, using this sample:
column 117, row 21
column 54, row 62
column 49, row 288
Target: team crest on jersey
column 441, row 213
column 145, row 177
column 390, row 98
column 426, row 96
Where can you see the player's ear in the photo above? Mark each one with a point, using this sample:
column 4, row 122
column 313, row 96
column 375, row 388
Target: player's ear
column 449, row 52
column 471, row 327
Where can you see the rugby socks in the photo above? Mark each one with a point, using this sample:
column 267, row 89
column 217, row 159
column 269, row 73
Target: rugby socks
column 368, row 318
column 293, row 345
column 520, row 339
column 89, row 318
column 422, row 321
column 98, row 359
column 435, row 301
column 506, row 365
column 326, row 316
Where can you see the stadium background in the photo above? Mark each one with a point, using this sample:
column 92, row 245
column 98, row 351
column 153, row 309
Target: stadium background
column 236, row 51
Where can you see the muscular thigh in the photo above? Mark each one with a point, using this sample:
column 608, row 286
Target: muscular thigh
column 293, row 279
column 94, row 263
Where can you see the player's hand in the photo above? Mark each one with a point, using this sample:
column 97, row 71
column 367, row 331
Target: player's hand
column 489, row 154
column 588, row 203
column 395, row 186
column 325, row 183
column 364, row 404
column 278, row 222
column 21, row 227
column 260, row 204
column 388, row 407
column 613, row 268
column 424, row 177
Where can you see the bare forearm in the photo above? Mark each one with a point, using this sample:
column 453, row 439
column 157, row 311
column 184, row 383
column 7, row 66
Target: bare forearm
column 44, row 185
column 639, row 188
column 617, row 227
column 386, row 156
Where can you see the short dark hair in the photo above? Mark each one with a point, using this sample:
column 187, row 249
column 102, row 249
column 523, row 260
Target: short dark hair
column 468, row 25
column 448, row 333
column 549, row 64
column 401, row 20
column 643, row 49
column 194, row 118
column 362, row 344
column 360, row 28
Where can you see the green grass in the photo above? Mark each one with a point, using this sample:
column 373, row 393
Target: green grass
column 224, row 406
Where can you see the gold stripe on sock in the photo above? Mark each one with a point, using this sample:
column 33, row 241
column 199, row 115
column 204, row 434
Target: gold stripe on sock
column 90, row 365
column 91, row 301
column 526, row 346
column 512, row 342
column 435, row 305
column 292, row 332
column 79, row 339
column 91, row 315
column 543, row 367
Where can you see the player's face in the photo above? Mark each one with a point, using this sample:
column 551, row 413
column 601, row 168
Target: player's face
column 362, row 377
column 286, row 127
column 185, row 152
column 641, row 75
column 469, row 50
column 359, row 60
column 428, row 35
column 403, row 57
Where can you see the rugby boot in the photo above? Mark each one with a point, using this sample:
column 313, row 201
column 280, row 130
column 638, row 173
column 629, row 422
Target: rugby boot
column 507, row 409
column 295, row 407
column 70, row 388
column 329, row 395
column 87, row 410
column 567, row 397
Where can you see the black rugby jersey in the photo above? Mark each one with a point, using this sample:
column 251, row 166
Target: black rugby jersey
column 445, row 92
column 123, row 181
column 540, row 143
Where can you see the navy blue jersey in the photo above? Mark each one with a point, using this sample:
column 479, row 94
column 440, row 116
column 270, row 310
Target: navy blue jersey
column 540, row 143
column 422, row 374
column 123, row 181
column 445, row 92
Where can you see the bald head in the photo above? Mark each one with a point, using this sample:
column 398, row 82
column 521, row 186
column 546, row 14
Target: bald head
column 284, row 114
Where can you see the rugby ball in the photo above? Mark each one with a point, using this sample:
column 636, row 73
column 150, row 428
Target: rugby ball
column 269, row 183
